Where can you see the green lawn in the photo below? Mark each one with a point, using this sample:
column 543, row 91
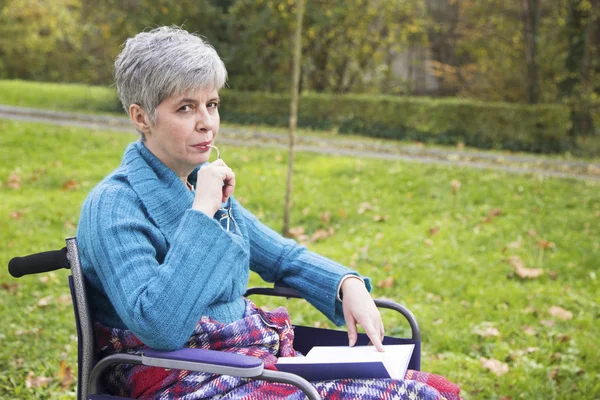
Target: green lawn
column 442, row 252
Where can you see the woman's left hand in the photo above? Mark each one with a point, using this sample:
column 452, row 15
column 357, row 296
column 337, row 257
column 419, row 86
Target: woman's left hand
column 359, row 308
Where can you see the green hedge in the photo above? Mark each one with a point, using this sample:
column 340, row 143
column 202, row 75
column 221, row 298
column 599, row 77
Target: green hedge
column 541, row 128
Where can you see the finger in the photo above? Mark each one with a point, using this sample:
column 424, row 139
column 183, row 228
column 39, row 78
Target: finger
column 352, row 332
column 375, row 337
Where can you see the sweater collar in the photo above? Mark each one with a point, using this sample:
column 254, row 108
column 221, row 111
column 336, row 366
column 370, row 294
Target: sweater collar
column 164, row 195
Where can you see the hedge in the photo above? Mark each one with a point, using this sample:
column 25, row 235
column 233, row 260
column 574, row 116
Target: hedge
column 539, row 128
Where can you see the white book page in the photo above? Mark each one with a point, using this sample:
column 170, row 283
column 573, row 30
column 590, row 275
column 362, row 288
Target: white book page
column 395, row 358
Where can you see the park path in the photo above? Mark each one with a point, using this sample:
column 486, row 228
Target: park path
column 390, row 150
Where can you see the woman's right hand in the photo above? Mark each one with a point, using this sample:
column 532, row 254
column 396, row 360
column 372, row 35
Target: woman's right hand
column 215, row 183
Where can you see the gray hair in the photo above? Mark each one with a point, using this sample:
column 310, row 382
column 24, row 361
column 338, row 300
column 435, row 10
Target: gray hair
column 162, row 62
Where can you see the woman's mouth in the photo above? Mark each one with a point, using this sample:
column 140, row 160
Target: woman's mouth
column 204, row 146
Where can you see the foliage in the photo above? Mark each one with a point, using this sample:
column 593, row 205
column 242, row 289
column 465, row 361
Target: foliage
column 445, row 241
column 539, row 128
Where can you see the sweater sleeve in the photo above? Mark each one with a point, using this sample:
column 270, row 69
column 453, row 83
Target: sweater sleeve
column 160, row 301
column 315, row 277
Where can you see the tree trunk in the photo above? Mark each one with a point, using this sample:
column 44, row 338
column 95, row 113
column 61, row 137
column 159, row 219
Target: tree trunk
column 293, row 112
column 531, row 17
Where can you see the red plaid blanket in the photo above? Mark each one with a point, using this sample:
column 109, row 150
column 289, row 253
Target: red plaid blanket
column 266, row 335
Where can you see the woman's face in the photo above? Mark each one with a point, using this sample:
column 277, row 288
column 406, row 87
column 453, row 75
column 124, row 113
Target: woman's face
column 185, row 125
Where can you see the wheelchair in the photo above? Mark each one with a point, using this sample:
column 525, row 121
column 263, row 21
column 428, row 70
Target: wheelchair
column 90, row 369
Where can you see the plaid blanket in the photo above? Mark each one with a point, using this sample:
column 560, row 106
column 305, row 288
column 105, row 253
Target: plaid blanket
column 266, row 335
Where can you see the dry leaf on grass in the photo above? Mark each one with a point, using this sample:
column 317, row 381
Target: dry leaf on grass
column 434, row 230
column 544, row 244
column 9, row 287
column 381, row 218
column 486, row 331
column 522, row 271
column 364, row 207
column 44, row 301
column 532, row 232
column 296, row 231
column 560, row 313
column 494, row 213
column 17, row 215
column 326, row 217
column 14, row 181
column 428, row 242
column 65, row 375
column 386, row 283
column 455, row 185
column 496, row 367
column 71, row 184
column 32, row 381
column 529, row 330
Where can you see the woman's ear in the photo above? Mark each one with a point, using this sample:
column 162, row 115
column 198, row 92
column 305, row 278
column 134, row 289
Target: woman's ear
column 140, row 119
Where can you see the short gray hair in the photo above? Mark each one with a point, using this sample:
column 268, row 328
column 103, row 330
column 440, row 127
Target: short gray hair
column 162, row 62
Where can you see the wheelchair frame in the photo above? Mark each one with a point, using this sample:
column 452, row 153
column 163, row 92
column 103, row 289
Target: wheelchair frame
column 200, row 360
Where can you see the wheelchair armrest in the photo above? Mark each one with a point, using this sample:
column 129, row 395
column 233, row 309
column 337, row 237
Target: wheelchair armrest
column 202, row 360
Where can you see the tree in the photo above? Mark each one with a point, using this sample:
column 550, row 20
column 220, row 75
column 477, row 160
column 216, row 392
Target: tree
column 295, row 88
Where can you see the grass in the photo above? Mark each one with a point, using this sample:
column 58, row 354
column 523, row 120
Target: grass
column 431, row 250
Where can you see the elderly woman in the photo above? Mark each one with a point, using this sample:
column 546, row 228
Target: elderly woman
column 166, row 248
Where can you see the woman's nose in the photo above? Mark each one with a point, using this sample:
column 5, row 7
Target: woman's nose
column 205, row 121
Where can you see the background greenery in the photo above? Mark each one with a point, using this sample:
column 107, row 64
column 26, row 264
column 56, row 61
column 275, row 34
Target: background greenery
column 515, row 51
column 448, row 121
column 437, row 239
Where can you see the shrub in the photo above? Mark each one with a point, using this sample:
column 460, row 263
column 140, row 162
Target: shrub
column 540, row 128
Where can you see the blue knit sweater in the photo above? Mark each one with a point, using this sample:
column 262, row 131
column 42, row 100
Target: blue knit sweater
column 155, row 266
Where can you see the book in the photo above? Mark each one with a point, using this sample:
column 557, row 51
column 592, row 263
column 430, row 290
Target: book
column 323, row 363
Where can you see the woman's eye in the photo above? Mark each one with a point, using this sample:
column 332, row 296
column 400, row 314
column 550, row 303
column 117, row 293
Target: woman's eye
column 186, row 108
column 212, row 104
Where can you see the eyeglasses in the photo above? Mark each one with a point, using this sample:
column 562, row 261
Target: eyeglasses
column 224, row 215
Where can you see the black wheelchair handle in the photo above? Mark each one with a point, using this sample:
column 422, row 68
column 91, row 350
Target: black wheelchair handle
column 39, row 262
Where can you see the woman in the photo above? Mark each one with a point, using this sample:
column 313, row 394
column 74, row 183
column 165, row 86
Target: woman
column 167, row 250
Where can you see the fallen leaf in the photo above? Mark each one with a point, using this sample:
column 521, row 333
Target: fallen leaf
column 554, row 373
column 44, row 301
column 493, row 213
column 455, row 185
column 9, row 287
column 342, row 213
column 522, row 271
column 549, row 323
column 428, row 242
column 380, row 218
column 65, row 375
column 64, row 300
column 544, row 244
column 321, row 234
column 17, row 215
column 489, row 331
column 433, row 297
column 14, row 181
column 532, row 232
column 560, row 313
column 434, row 230
column 364, row 207
column 32, row 381
column 496, row 367
column 386, row 283
column 514, row 245
column 529, row 330
column 71, row 184
column 297, row 231
column 326, row 217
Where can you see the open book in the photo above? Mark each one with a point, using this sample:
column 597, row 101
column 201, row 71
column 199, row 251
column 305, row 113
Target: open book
column 339, row 362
